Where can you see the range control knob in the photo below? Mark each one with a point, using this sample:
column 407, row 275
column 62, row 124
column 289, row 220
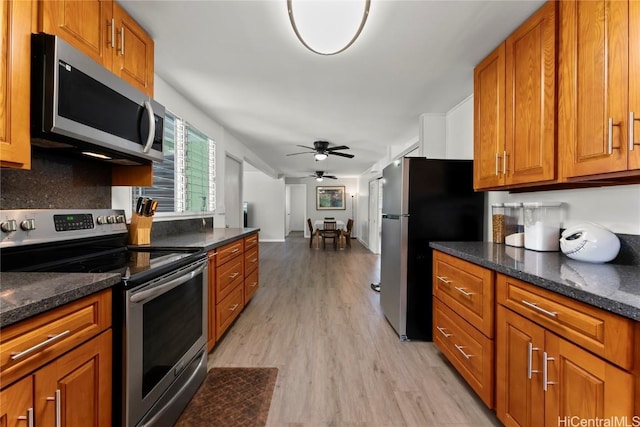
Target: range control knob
column 120, row 219
column 102, row 220
column 28, row 224
column 8, row 226
column 111, row 219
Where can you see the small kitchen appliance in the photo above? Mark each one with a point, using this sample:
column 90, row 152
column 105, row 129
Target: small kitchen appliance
column 589, row 242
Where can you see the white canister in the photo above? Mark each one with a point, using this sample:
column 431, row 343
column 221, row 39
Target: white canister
column 542, row 226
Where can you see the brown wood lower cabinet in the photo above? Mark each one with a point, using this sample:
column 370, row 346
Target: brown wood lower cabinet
column 16, row 404
column 543, row 379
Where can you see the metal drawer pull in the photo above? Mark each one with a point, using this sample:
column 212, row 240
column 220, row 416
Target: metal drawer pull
column 446, row 335
column 234, row 250
column 50, row 340
column 545, row 371
column 234, row 307
column 28, row 417
column 234, row 275
column 463, row 292
column 460, row 349
column 56, row 399
column 530, row 369
column 254, row 284
column 443, row 279
column 254, row 260
column 540, row 309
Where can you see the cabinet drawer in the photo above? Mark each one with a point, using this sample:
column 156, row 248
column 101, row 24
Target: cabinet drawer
column 467, row 288
column 250, row 260
column 251, row 241
column 605, row 334
column 228, row 276
column 251, row 285
column 50, row 334
column 228, row 251
column 228, row 309
column 469, row 351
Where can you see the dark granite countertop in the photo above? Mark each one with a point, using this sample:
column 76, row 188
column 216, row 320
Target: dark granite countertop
column 612, row 287
column 23, row 295
column 207, row 240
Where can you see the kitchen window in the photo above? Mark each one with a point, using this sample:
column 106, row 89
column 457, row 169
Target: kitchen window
column 185, row 180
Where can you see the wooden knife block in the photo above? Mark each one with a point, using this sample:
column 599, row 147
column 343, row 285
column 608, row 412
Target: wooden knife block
column 140, row 230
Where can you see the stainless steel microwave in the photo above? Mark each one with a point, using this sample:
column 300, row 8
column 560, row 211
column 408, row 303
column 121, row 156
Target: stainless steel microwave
column 78, row 105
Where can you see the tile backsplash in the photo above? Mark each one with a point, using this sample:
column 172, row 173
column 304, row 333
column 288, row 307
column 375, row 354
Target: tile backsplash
column 57, row 181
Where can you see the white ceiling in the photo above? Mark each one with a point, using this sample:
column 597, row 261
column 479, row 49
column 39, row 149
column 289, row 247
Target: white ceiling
column 241, row 63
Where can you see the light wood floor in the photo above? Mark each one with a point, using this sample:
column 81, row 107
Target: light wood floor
column 340, row 363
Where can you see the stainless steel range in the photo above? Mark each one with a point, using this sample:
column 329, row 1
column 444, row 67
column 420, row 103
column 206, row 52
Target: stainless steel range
column 159, row 309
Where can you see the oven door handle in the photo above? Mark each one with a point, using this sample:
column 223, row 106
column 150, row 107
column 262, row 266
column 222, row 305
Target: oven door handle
column 161, row 288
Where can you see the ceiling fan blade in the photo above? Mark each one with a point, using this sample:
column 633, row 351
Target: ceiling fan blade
column 304, row 152
column 350, row 156
column 330, row 177
column 304, row 146
column 339, row 147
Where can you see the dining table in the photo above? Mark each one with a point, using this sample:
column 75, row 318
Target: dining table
column 318, row 224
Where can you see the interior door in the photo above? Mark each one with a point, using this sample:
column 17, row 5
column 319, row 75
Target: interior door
column 287, row 210
column 298, row 207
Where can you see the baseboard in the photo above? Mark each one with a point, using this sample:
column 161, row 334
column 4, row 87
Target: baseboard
column 270, row 240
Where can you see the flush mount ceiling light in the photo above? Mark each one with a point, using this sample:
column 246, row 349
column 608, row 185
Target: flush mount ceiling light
column 327, row 27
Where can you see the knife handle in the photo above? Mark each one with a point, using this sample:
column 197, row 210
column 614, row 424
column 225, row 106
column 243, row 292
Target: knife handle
column 139, row 206
column 147, row 207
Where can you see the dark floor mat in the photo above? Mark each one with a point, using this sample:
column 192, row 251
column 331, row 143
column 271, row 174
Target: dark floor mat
column 231, row 397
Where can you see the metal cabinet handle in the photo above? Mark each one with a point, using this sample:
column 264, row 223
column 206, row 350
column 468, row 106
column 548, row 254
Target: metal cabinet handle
column 56, row 399
column 50, row 340
column 540, row 309
column 254, row 260
column 254, row 284
column 28, row 418
column 632, row 123
column 530, row 369
column 443, row 279
column 112, row 42
column 610, row 137
column 446, row 335
column 234, row 275
column 234, row 307
column 463, row 292
column 460, row 349
column 122, row 41
column 545, row 371
column 234, row 250
column 504, row 162
column 497, row 164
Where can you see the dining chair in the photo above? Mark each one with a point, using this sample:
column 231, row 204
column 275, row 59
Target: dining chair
column 347, row 233
column 330, row 231
column 312, row 232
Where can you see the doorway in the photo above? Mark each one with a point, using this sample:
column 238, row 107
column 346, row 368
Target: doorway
column 295, row 208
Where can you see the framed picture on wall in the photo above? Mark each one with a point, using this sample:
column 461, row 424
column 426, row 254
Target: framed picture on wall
column 329, row 198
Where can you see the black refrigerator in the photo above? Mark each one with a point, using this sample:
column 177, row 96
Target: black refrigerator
column 423, row 200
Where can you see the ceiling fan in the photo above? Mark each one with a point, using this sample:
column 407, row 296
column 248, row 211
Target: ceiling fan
column 319, row 176
column 321, row 150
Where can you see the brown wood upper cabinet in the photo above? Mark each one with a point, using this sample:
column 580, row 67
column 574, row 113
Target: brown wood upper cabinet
column 599, row 88
column 514, row 110
column 15, row 48
column 105, row 32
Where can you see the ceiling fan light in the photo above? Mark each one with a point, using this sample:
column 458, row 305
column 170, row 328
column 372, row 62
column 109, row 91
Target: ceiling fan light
column 319, row 179
column 328, row 27
column 320, row 156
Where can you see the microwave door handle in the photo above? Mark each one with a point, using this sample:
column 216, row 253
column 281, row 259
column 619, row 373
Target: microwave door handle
column 152, row 127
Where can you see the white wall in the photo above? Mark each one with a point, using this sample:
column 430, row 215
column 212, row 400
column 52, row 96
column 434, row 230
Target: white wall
column 351, row 189
column 265, row 196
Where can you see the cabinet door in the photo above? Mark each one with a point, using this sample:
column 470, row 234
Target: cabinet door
column 16, row 404
column 593, row 86
column 634, row 84
column 531, row 99
column 134, row 52
column 488, row 131
column 85, row 24
column 15, row 60
column 584, row 386
column 519, row 394
column 76, row 387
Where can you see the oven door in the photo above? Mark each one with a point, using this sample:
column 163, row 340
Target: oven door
column 165, row 331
